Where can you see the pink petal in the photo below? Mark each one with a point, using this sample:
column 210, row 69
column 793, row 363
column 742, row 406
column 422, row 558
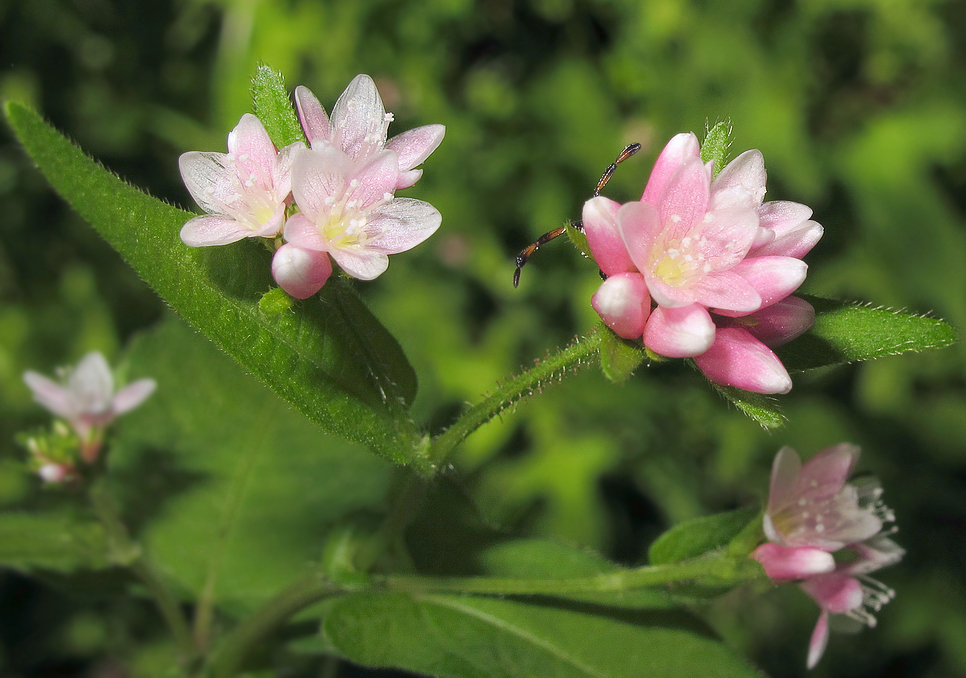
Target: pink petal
column 132, row 395
column 679, row 332
column 408, row 178
column 364, row 264
column 300, row 272
column 726, row 290
column 784, row 563
column 681, row 147
column 797, row 242
column 835, row 593
column 773, row 278
column 208, row 231
column 684, row 202
column 738, row 359
column 781, row 322
column 825, row 474
column 623, row 304
column 50, row 395
column 315, row 123
column 782, row 216
column 781, row 492
column 91, row 384
column 303, row 232
column 726, row 235
column 318, row 174
column 741, row 183
column 874, row 554
column 211, row 180
column 599, row 219
column 400, row 225
column 375, row 181
column 252, row 151
column 359, row 118
column 415, row 145
column 819, row 640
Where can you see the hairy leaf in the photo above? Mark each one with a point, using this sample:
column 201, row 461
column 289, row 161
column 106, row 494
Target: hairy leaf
column 698, row 536
column 618, row 357
column 274, row 108
column 328, row 356
column 846, row 332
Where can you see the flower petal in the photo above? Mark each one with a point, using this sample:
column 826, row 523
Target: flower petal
column 773, row 278
column 303, row 232
column 300, row 272
column 623, row 304
column 797, row 242
column 208, row 231
column 211, row 181
column 359, row 118
column 315, row 123
column 415, row 145
column 375, row 181
column 132, row 395
column 599, row 218
column 400, row 225
column 679, row 332
column 91, row 384
column 50, row 395
column 785, row 563
column 819, row 640
column 738, row 359
column 253, row 152
column 784, row 475
column 741, row 183
column 319, row 176
column 681, row 147
column 364, row 264
column 684, row 202
column 781, row 322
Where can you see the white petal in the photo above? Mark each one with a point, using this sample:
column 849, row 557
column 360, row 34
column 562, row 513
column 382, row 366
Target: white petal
column 415, row 145
column 133, row 395
column 401, row 224
column 51, row 395
column 359, row 117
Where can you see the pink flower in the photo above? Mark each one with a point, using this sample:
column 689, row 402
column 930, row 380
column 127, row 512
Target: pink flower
column 86, row 399
column 351, row 212
column 245, row 191
column 849, row 592
column 693, row 246
column 812, row 511
column 359, row 127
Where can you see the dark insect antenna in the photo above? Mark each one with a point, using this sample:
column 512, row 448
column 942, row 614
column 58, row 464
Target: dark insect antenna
column 528, row 251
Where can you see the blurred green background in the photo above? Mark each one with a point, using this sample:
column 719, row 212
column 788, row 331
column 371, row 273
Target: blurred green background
column 859, row 107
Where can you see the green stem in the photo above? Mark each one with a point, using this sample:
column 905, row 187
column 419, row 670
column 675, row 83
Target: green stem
column 123, row 551
column 230, row 656
column 716, row 569
column 552, row 368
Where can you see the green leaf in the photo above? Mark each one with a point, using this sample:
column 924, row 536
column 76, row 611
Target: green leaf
column 579, row 239
column 475, row 637
column 328, row 356
column 618, row 357
column 763, row 409
column 230, row 492
column 58, row 541
column 274, row 108
column 846, row 332
column 716, row 144
column 698, row 536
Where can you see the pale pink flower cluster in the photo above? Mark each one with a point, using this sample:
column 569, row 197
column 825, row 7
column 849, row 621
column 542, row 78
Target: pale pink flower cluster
column 85, row 398
column 702, row 268
column 334, row 198
column 812, row 513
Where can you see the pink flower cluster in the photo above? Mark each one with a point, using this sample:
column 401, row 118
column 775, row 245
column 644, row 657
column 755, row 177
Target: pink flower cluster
column 334, row 198
column 86, row 399
column 812, row 513
column 702, row 268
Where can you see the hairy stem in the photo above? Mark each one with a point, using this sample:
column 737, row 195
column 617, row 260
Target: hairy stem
column 716, row 569
column 505, row 395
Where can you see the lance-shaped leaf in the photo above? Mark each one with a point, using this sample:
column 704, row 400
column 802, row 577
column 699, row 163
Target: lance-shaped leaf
column 698, row 536
column 273, row 107
column 846, row 332
column 328, row 356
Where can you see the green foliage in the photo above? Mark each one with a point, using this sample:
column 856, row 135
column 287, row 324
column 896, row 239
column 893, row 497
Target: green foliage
column 618, row 357
column 716, row 144
column 329, row 357
column 232, row 492
column 59, row 541
column 468, row 637
column 274, row 107
column 699, row 536
column 845, row 332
